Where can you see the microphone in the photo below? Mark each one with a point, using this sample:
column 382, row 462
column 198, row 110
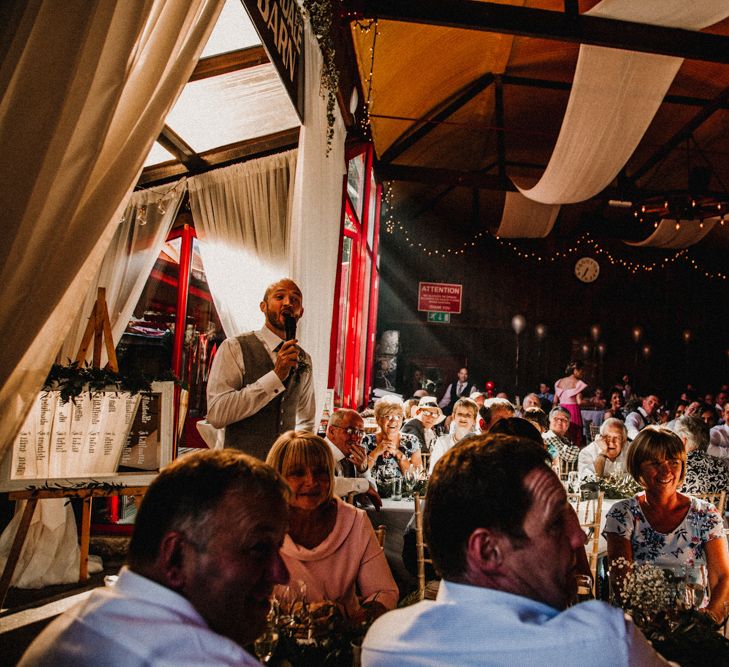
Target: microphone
column 290, row 327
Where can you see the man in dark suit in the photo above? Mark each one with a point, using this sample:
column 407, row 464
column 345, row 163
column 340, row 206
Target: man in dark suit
column 461, row 388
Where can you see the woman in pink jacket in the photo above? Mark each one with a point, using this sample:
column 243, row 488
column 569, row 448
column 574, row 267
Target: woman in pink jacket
column 331, row 546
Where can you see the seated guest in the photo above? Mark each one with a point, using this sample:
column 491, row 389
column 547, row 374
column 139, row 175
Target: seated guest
column 704, row 473
column 607, row 455
column 518, row 427
column 465, row 413
column 331, row 546
column 545, row 396
column 538, row 417
column 556, row 441
column 719, row 437
column 427, row 416
column 344, row 437
column 642, row 416
column 494, row 409
column 665, row 527
column 390, row 452
column 531, row 401
column 709, row 415
column 202, row 563
column 615, row 410
column 506, row 542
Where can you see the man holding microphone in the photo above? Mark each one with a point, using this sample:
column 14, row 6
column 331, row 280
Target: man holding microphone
column 260, row 382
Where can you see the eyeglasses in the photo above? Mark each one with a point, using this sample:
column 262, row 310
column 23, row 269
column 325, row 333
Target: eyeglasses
column 428, row 413
column 351, row 431
column 393, row 418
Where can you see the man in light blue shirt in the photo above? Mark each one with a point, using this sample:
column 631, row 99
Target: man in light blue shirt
column 506, row 542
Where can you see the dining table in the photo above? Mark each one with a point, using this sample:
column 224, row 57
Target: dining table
column 395, row 516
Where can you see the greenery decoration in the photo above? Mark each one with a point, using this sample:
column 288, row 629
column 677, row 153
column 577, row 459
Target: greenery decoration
column 71, row 379
column 321, row 14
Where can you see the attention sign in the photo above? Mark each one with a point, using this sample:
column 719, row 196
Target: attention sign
column 440, row 297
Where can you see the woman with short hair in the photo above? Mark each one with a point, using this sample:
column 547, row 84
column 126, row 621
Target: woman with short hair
column 662, row 526
column 389, row 451
column 330, row 546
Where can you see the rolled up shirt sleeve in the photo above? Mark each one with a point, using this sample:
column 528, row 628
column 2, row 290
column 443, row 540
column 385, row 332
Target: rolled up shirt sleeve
column 228, row 400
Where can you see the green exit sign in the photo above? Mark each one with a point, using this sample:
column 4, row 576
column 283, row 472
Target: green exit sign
column 442, row 318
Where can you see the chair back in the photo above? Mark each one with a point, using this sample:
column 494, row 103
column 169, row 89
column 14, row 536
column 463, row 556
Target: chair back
column 380, row 534
column 420, row 546
column 718, row 500
column 594, row 432
column 425, row 456
column 589, row 513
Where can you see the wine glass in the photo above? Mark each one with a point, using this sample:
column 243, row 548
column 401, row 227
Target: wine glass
column 573, row 481
column 410, row 479
column 584, row 588
column 695, row 587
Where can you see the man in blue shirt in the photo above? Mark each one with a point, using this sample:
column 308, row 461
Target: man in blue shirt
column 506, row 542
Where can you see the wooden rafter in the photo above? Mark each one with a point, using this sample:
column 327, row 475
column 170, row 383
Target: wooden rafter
column 546, row 24
column 233, row 61
column 175, row 144
column 436, row 115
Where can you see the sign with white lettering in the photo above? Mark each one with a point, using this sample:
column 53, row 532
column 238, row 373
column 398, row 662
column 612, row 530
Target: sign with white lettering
column 281, row 28
column 440, row 297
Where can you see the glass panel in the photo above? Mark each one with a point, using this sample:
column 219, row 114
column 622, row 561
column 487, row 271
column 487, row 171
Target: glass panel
column 355, row 183
column 371, row 212
column 146, row 345
column 343, row 319
column 232, row 107
column 359, row 390
column 349, row 223
column 233, row 31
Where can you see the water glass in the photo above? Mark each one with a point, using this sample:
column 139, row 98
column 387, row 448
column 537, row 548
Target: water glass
column 396, row 488
column 573, row 481
column 584, row 587
column 694, row 587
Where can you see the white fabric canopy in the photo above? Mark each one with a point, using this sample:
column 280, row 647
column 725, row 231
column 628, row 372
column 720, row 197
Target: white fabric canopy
column 524, row 218
column 614, row 96
column 241, row 216
column 127, row 263
column 85, row 86
column 316, row 218
column 667, row 236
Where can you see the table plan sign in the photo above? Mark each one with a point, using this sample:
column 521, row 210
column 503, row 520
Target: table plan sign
column 107, row 434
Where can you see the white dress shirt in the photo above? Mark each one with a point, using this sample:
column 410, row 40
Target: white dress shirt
column 719, row 439
column 470, row 625
column 588, row 457
column 229, row 401
column 136, row 622
column 636, row 421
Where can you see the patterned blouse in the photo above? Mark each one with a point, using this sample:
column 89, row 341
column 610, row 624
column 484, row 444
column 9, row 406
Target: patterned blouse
column 684, row 546
column 705, row 474
column 389, row 467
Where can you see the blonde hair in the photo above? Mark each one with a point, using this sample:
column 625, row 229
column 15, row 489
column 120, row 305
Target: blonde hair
column 389, row 405
column 654, row 443
column 301, row 449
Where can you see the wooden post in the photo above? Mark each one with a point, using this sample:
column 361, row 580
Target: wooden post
column 98, row 327
column 83, row 569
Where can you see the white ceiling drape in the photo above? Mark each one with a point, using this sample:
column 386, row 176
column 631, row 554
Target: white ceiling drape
column 615, row 94
column 667, row 236
column 85, row 86
column 242, row 217
column 524, row 218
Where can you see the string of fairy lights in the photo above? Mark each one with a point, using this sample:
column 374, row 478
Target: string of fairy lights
column 584, row 243
column 365, row 27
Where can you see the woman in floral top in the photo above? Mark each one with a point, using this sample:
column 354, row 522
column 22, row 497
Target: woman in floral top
column 389, row 452
column 664, row 527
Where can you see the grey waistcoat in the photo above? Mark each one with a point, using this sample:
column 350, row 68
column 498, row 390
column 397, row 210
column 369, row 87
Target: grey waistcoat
column 256, row 434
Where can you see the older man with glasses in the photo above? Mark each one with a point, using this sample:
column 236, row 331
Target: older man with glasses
column 607, row 455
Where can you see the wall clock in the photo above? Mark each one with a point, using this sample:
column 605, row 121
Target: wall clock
column 587, row 269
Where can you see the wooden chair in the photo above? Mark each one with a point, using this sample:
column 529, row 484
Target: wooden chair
column 420, row 546
column 380, row 534
column 716, row 499
column 589, row 513
column 425, row 456
column 594, row 432
column 565, row 467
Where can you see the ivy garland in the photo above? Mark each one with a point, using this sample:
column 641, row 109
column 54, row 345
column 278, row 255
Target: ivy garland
column 71, row 379
column 321, row 14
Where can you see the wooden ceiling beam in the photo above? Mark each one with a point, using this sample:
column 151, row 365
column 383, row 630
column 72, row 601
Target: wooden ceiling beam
column 427, row 175
column 232, row 61
column 175, row 144
column 546, row 24
column 682, row 135
column 436, row 115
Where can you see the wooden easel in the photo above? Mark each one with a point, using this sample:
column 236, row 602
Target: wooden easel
column 98, row 327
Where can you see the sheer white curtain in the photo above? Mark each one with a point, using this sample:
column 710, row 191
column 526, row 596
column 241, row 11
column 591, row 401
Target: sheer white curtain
column 85, row 86
column 127, row 263
column 316, row 218
column 614, row 96
column 241, row 216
